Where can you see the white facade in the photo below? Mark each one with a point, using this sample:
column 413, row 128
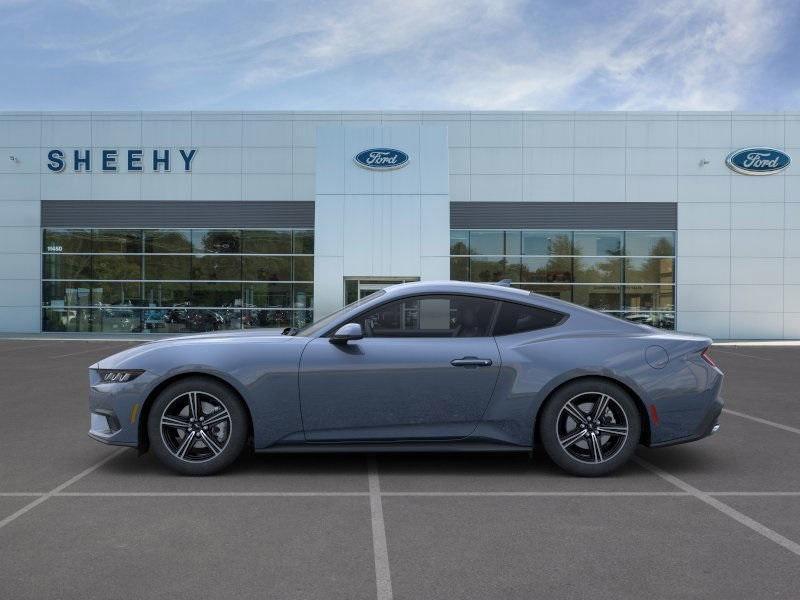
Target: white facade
column 738, row 240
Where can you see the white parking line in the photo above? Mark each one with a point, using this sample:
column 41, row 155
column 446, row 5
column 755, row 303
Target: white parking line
column 722, row 507
column 56, row 490
column 762, row 421
column 383, row 579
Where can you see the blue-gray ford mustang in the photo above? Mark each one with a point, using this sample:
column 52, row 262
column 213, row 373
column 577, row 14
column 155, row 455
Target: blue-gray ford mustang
column 418, row 367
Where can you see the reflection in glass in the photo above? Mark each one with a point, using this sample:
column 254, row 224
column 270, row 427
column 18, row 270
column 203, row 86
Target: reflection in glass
column 650, row 243
column 562, row 292
column 67, row 240
column 649, row 270
column 303, row 268
column 217, row 267
column 216, row 240
column 598, row 243
column 598, row 297
column 459, row 242
column 167, row 241
column 267, row 268
column 123, row 241
column 547, row 243
column 490, row 269
column 598, row 270
column 486, row 242
column 649, row 297
column 459, row 268
column 304, row 241
column 167, row 293
column 546, row 270
column 269, row 241
column 116, row 266
column 216, row 294
column 67, row 266
column 165, row 266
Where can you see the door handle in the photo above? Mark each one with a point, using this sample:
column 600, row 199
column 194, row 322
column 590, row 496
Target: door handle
column 471, row 361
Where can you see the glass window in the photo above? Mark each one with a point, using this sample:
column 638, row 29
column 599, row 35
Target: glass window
column 216, row 294
column 598, row 243
column 217, row 267
column 267, row 241
column 649, row 297
column 513, row 242
column 598, row 297
column 216, row 240
column 546, row 243
column 304, row 241
column 67, row 240
column 164, row 266
column 649, row 270
column 459, row 242
column 517, row 318
column 267, row 268
column 117, row 266
column 486, row 242
column 167, row 293
column 546, row 270
column 562, row 292
column 430, row 316
column 117, row 240
column 268, row 295
column 598, row 270
column 303, row 268
column 459, row 268
column 154, row 280
column 67, row 266
column 490, row 269
column 167, row 241
column 650, row 243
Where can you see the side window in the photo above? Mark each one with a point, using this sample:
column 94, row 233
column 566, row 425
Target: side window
column 430, row 316
column 517, row 318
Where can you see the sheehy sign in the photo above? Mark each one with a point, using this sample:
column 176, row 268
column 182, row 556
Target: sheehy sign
column 111, row 161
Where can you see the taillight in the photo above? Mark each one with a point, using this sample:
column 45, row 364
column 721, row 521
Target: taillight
column 706, row 354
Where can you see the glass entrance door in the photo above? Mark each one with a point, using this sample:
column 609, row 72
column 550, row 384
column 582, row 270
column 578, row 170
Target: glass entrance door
column 356, row 288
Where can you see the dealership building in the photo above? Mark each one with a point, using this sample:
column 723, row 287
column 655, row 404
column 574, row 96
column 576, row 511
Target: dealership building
column 137, row 222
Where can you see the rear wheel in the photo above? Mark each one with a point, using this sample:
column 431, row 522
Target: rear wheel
column 590, row 427
column 197, row 426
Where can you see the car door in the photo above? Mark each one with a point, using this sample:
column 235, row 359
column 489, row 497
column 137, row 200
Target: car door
column 425, row 370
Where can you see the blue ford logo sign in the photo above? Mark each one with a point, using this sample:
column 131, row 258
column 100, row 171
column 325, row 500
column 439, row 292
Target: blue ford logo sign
column 758, row 161
column 381, row 159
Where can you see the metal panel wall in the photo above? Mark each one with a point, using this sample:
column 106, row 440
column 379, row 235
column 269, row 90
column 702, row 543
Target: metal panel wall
column 563, row 215
column 218, row 214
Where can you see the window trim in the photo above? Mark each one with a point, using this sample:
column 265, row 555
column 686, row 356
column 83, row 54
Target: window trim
column 564, row 318
column 357, row 316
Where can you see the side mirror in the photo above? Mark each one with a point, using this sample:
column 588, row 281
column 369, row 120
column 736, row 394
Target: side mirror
column 346, row 333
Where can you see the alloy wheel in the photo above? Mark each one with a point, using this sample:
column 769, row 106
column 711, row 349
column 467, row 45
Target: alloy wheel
column 592, row 427
column 195, row 426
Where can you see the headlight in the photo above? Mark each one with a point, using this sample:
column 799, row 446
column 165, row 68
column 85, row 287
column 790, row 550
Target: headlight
column 118, row 375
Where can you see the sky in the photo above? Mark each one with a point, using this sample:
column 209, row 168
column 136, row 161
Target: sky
column 400, row 55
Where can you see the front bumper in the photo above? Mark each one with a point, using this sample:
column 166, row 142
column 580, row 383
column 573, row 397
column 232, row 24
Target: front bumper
column 115, row 409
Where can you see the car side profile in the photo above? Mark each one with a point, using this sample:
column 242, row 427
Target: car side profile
column 426, row 366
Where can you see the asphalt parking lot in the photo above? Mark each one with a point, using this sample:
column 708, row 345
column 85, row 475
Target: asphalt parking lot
column 715, row 519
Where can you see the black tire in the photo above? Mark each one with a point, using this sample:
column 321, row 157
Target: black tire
column 559, row 425
column 211, row 448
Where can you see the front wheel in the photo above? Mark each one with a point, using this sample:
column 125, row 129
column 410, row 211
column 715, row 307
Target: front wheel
column 197, row 426
column 590, row 427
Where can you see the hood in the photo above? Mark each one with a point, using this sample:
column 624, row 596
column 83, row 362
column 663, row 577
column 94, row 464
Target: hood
column 133, row 357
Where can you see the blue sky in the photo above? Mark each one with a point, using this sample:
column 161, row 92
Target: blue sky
column 393, row 54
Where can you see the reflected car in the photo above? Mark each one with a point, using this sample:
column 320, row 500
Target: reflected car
column 418, row 367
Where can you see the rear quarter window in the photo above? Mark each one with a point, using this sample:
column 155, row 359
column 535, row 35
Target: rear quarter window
column 518, row 318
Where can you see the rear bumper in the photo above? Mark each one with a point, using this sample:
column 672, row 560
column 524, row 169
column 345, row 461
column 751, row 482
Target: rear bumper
column 708, row 426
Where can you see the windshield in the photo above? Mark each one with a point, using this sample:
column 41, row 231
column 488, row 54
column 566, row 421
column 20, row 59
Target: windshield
column 326, row 321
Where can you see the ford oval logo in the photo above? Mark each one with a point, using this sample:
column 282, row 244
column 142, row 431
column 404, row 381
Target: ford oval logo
column 758, row 161
column 381, row 159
